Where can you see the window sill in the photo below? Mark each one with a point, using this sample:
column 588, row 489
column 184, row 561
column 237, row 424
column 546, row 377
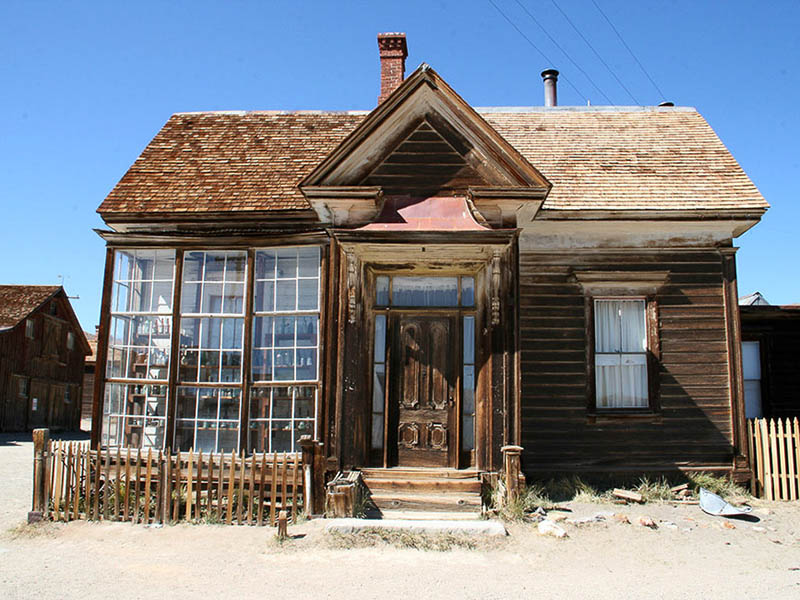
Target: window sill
column 624, row 416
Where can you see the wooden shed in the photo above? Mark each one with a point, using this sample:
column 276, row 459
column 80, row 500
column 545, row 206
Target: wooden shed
column 419, row 285
column 42, row 351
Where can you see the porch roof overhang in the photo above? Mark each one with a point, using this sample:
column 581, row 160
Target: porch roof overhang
column 405, row 213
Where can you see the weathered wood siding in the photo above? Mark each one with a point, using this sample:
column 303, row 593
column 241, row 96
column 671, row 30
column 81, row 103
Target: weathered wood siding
column 692, row 427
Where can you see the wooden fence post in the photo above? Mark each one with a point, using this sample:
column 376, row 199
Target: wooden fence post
column 307, row 448
column 41, row 475
column 512, row 468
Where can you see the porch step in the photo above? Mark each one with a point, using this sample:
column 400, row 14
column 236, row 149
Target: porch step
column 419, row 473
column 397, row 490
column 426, row 485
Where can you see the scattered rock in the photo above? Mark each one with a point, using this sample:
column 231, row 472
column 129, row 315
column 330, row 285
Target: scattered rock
column 540, row 511
column 669, row 524
column 584, row 521
column 621, row 518
column 547, row 527
column 647, row 522
column 728, row 525
column 557, row 518
column 758, row 529
column 627, row 495
column 604, row 515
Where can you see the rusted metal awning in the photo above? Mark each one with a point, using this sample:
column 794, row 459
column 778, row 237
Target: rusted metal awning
column 437, row 213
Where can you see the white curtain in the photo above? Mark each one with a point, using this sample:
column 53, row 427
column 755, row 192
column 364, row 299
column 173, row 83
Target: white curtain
column 620, row 354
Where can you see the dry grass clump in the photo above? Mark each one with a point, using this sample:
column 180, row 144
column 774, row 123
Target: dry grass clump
column 722, row 486
column 33, row 530
column 368, row 538
column 575, row 488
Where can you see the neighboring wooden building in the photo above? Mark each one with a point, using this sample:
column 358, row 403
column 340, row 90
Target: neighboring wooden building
column 42, row 350
column 87, row 396
column 771, row 357
column 424, row 283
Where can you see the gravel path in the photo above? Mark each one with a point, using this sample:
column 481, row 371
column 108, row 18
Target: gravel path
column 690, row 555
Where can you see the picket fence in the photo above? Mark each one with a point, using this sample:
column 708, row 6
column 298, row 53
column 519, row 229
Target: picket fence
column 775, row 458
column 160, row 487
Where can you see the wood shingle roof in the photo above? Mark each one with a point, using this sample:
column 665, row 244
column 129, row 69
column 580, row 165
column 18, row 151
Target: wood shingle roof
column 596, row 158
column 18, row 301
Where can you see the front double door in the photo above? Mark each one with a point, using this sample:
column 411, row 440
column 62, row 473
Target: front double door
column 423, row 404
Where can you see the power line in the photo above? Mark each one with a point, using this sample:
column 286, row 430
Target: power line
column 641, row 66
column 557, row 45
column 535, row 47
column 596, row 53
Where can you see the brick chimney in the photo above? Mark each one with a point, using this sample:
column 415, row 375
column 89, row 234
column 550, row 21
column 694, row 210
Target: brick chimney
column 393, row 52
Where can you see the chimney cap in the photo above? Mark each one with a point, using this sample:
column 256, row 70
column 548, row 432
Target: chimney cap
column 662, row 104
column 393, row 44
column 549, row 73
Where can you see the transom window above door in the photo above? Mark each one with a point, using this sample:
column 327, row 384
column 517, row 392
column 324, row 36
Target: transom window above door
column 407, row 290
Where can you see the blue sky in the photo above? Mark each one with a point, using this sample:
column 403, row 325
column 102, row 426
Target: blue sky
column 86, row 85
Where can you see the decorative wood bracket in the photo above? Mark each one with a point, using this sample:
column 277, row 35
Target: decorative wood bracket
column 496, row 287
column 352, row 288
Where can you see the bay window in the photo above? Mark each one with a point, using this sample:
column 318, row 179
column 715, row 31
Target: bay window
column 214, row 403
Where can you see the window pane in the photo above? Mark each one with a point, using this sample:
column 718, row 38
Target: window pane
column 751, row 360
column 287, row 263
column 380, row 338
column 307, row 331
column 467, row 291
column 193, row 266
column 215, row 266
column 235, row 267
column 306, row 361
column 304, row 402
column 377, row 431
column 632, row 317
column 265, row 264
column 265, row 296
column 469, row 390
column 425, row 291
column 212, row 298
column 191, row 295
column 286, row 295
column 307, row 294
column 382, row 290
column 308, row 258
column 281, row 434
column 752, row 399
column 468, row 432
column 469, row 340
column 378, row 388
column 606, row 326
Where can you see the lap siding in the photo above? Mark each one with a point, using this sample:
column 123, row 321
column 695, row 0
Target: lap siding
column 693, row 425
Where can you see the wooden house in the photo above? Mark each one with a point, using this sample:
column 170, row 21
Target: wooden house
column 771, row 363
column 42, row 351
column 420, row 285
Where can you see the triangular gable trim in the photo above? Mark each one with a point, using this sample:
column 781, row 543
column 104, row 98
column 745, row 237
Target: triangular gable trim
column 424, row 94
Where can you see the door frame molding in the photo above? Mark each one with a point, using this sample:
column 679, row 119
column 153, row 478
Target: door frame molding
column 458, row 458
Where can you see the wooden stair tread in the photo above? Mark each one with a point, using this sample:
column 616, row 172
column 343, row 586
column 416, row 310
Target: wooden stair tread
column 448, row 499
column 434, row 485
column 420, row 473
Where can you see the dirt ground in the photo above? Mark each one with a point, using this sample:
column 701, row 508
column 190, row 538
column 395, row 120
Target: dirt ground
column 689, row 555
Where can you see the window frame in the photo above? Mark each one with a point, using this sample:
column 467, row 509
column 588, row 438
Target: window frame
column 259, row 386
column 653, row 407
column 30, row 329
column 120, row 310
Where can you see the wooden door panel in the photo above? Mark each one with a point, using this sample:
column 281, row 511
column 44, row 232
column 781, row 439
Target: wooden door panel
column 423, row 390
